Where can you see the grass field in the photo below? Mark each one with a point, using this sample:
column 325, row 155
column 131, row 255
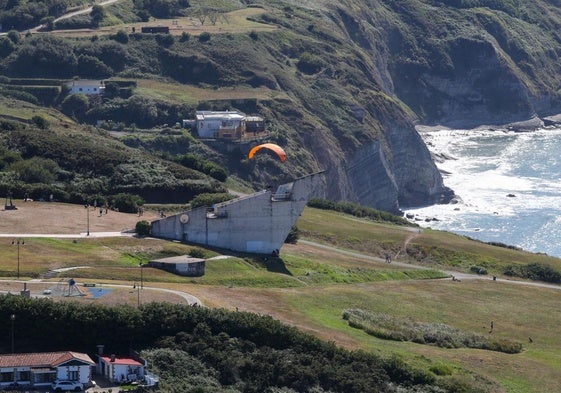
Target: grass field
column 189, row 94
column 233, row 22
column 309, row 287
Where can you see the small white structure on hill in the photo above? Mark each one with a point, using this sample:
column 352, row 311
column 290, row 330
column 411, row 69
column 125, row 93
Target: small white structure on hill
column 226, row 124
column 120, row 369
column 86, row 86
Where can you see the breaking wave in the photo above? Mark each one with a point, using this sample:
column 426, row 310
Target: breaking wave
column 508, row 184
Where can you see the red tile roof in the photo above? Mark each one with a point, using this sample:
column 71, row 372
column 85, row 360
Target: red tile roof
column 122, row 361
column 43, row 359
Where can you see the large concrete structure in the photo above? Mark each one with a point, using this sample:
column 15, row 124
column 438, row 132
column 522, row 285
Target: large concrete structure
column 256, row 223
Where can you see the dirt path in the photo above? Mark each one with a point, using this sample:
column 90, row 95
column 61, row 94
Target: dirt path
column 455, row 275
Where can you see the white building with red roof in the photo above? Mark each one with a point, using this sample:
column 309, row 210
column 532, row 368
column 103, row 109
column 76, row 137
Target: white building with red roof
column 41, row 369
column 121, row 369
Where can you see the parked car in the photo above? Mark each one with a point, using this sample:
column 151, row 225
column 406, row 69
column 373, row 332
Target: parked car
column 65, row 386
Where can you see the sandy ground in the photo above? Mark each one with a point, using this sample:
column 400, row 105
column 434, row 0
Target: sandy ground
column 63, row 218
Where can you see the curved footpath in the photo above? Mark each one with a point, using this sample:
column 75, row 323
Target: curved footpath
column 454, row 274
column 192, row 300
column 69, row 15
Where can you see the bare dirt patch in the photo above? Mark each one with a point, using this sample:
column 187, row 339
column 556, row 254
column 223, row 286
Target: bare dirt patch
column 63, row 218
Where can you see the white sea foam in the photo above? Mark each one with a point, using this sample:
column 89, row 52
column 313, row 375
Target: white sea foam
column 509, row 187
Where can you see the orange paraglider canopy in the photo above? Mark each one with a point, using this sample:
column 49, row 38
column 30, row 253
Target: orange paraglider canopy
column 271, row 146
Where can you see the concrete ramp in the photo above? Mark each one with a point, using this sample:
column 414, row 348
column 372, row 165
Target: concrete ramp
column 256, row 223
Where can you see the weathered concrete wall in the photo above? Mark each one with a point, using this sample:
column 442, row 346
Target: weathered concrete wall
column 257, row 223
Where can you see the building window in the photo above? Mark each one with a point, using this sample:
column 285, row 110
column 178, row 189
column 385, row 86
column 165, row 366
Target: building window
column 24, row 376
column 73, row 375
column 7, row 377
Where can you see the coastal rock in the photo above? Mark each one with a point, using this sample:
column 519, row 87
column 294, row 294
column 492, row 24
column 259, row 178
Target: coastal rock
column 399, row 172
column 527, row 125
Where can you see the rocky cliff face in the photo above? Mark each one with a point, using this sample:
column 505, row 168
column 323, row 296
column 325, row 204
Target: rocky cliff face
column 420, row 62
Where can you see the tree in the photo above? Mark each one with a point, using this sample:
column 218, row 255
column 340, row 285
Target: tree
column 92, row 67
column 14, row 36
column 127, row 203
column 44, row 55
column 40, row 122
column 6, row 47
column 142, row 228
column 293, row 235
column 36, row 170
column 97, row 15
column 75, row 105
column 121, row 37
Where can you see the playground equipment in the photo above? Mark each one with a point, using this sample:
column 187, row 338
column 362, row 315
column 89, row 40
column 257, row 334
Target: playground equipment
column 71, row 289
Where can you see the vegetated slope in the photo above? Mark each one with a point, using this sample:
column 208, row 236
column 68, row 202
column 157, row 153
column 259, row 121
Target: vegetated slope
column 223, row 351
column 76, row 164
column 355, row 75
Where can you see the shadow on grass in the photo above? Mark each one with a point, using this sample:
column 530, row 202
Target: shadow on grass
column 276, row 265
column 273, row 264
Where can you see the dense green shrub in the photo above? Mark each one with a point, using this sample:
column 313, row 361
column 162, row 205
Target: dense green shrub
column 293, row 235
column 142, row 228
column 219, row 348
column 45, row 95
column 82, row 21
column 534, row 271
column 44, row 55
column 478, row 270
column 40, row 122
column 6, row 46
column 36, row 170
column 127, row 203
column 210, row 199
column 75, row 105
column 392, row 328
column 309, row 64
column 92, row 67
column 16, row 93
column 162, row 8
column 121, row 36
column 197, row 252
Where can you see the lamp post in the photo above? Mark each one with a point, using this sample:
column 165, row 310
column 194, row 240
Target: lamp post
column 18, row 242
column 13, row 318
column 87, row 207
column 141, row 276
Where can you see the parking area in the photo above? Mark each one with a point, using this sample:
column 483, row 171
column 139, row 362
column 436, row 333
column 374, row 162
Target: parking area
column 103, row 385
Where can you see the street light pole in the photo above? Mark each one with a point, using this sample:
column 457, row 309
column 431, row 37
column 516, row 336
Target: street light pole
column 13, row 318
column 18, row 242
column 141, row 276
column 87, row 206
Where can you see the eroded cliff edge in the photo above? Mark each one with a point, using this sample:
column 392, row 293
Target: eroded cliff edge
column 385, row 66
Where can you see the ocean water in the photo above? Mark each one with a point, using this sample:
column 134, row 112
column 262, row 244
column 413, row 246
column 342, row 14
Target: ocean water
column 508, row 184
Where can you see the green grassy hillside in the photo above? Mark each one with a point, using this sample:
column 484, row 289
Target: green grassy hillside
column 312, row 284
